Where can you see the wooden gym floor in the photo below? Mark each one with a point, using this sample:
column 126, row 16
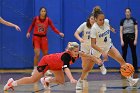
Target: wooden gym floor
column 113, row 82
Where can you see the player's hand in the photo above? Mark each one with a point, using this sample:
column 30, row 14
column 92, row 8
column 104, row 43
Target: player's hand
column 73, row 81
column 105, row 56
column 61, row 34
column 17, row 28
column 113, row 30
column 122, row 43
column 81, row 40
column 28, row 35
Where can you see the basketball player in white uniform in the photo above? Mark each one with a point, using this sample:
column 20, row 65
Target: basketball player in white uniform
column 102, row 45
column 85, row 40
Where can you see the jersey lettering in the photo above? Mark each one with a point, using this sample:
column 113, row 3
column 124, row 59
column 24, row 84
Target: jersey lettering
column 104, row 34
column 41, row 28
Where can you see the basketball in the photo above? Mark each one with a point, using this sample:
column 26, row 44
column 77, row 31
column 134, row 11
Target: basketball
column 127, row 70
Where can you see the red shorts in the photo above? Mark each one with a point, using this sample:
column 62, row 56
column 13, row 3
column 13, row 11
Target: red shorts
column 50, row 63
column 40, row 42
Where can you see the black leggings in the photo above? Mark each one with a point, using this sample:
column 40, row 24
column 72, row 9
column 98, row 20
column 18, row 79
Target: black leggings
column 129, row 40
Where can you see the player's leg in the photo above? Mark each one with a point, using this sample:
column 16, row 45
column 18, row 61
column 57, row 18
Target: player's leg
column 38, row 73
column 25, row 80
column 101, row 65
column 57, row 79
column 36, row 56
column 37, row 46
column 44, row 48
column 87, row 67
column 114, row 53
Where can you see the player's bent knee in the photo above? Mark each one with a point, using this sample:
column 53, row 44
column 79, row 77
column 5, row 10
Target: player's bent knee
column 87, row 69
column 60, row 81
column 33, row 80
column 37, row 55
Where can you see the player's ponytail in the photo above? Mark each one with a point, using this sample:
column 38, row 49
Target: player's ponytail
column 72, row 45
column 97, row 11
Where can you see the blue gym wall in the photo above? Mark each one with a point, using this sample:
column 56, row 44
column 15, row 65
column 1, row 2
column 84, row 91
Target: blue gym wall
column 16, row 50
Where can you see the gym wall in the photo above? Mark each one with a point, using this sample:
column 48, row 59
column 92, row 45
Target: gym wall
column 16, row 50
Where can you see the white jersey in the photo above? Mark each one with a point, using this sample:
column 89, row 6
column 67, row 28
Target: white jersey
column 102, row 34
column 85, row 47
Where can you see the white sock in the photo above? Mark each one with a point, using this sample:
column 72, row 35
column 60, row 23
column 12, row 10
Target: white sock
column 80, row 80
column 130, row 79
column 35, row 67
column 14, row 83
column 47, row 79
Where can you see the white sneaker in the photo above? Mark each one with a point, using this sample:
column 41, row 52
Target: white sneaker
column 79, row 85
column 48, row 73
column 8, row 85
column 133, row 82
column 33, row 72
column 103, row 69
column 45, row 82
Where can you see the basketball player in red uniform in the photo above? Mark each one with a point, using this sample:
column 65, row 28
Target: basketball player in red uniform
column 40, row 24
column 55, row 63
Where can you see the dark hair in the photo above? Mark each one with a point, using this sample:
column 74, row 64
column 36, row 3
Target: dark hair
column 45, row 10
column 88, row 21
column 128, row 9
column 96, row 8
column 97, row 12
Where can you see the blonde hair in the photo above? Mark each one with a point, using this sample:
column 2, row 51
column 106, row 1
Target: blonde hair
column 72, row 45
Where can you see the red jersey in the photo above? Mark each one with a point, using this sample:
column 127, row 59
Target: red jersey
column 41, row 26
column 56, row 61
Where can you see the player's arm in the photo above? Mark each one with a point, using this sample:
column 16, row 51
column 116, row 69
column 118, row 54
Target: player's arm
column 69, row 75
column 112, row 29
column 32, row 25
column 93, row 45
column 30, row 28
column 77, row 36
column 54, row 28
column 9, row 24
column 78, row 31
column 92, row 57
column 66, row 59
column 93, row 39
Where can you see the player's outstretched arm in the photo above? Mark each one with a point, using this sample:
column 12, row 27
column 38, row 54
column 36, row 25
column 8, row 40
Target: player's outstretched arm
column 9, row 24
column 69, row 75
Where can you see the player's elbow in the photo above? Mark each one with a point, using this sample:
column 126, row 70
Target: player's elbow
column 75, row 34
